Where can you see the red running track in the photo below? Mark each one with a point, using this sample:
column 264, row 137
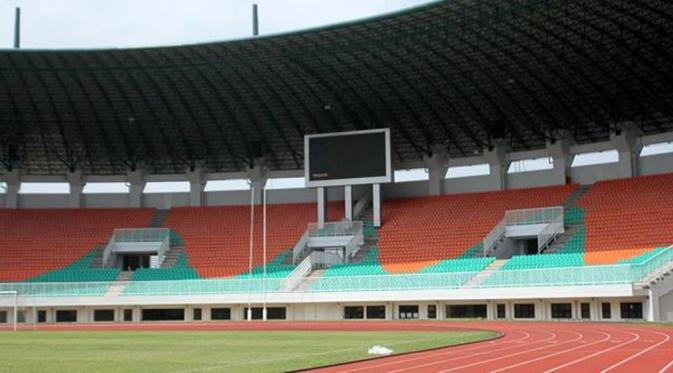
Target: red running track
column 530, row 347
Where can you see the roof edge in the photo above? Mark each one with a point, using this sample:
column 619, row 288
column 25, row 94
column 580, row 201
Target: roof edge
column 331, row 26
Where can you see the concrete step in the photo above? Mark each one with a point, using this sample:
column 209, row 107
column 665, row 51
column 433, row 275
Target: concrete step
column 571, row 200
column 97, row 261
column 310, row 279
column 361, row 254
column 483, row 275
column 172, row 257
column 124, row 276
column 157, row 219
column 556, row 246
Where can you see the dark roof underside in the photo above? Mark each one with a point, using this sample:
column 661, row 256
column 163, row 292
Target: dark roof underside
column 454, row 75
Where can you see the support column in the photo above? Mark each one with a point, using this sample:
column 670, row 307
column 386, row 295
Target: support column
column 376, row 191
column 197, row 183
column 559, row 151
column 628, row 144
column 76, row 187
column 348, row 202
column 653, row 313
column 13, row 180
column 257, row 177
column 322, row 207
column 136, row 179
column 497, row 158
column 437, row 165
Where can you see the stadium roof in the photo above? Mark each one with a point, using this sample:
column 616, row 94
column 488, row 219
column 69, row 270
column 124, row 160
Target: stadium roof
column 455, row 74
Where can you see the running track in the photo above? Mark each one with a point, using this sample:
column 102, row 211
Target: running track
column 530, row 347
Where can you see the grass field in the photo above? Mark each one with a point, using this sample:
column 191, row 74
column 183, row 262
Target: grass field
column 224, row 351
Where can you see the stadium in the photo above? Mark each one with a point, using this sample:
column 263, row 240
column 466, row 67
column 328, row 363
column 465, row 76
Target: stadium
column 496, row 176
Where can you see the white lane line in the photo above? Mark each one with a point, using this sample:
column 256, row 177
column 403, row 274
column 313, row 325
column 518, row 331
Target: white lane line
column 666, row 367
column 490, row 351
column 607, row 336
column 477, row 346
column 579, row 336
column 637, row 337
column 613, row 366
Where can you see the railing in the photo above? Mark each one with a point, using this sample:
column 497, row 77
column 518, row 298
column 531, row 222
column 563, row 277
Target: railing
column 341, row 228
column 353, row 246
column 299, row 247
column 361, row 205
column 657, row 264
column 493, row 236
column 333, row 229
column 545, row 215
column 322, row 259
column 545, row 277
column 532, row 216
column 298, row 274
column 555, row 226
column 129, row 235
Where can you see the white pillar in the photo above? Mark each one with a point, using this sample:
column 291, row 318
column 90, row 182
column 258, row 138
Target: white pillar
column 136, row 179
column 653, row 313
column 437, row 165
column 628, row 144
column 12, row 178
column 348, row 202
column 376, row 190
column 196, row 186
column 559, row 151
column 497, row 158
column 76, row 187
column 322, row 206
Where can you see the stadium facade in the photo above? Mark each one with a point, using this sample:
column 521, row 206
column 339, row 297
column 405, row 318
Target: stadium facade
column 458, row 83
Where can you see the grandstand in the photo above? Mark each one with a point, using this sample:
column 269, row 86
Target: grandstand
column 449, row 86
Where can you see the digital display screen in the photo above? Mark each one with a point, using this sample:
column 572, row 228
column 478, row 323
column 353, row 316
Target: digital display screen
column 349, row 156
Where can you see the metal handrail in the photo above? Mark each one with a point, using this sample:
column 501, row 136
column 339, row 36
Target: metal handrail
column 299, row 247
column 544, row 215
column 552, row 229
column 126, row 235
column 340, row 228
column 558, row 276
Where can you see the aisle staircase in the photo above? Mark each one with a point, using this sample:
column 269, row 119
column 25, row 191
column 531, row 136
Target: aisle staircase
column 562, row 239
column 571, row 200
column 571, row 227
column 306, row 283
column 116, row 288
column 172, row 256
column 97, row 261
column 157, row 219
column 483, row 275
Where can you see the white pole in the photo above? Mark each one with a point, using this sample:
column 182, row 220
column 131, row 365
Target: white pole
column 264, row 250
column 252, row 227
column 15, row 315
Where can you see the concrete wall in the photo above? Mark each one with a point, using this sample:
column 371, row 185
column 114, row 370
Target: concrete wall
column 655, row 164
column 30, row 201
column 334, row 311
column 531, row 179
column 468, row 185
column 583, row 175
column 590, row 174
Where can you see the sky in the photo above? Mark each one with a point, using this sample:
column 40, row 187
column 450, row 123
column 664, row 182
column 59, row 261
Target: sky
column 72, row 24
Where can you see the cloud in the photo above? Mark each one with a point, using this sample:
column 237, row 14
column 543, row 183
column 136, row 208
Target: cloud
column 49, row 24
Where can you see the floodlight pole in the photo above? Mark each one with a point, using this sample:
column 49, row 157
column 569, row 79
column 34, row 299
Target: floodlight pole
column 252, row 228
column 17, row 28
column 255, row 21
column 264, row 251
